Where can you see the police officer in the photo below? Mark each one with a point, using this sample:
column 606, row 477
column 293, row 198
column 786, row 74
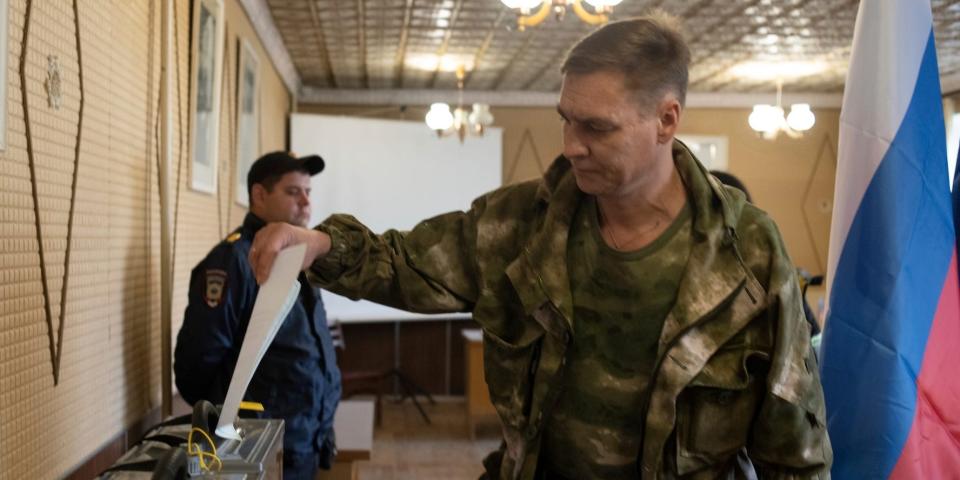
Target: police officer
column 298, row 379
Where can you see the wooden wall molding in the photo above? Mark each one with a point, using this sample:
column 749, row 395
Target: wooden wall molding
column 55, row 338
column 525, row 139
column 825, row 151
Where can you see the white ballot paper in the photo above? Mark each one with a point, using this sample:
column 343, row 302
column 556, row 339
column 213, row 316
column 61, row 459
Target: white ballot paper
column 274, row 300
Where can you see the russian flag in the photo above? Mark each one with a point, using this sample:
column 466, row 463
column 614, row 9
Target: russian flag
column 891, row 347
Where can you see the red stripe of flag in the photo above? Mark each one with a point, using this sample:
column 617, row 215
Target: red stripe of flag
column 932, row 450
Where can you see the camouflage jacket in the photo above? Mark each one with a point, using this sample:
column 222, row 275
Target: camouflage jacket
column 735, row 373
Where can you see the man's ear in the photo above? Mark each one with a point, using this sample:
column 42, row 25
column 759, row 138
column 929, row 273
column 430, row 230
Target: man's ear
column 257, row 194
column 668, row 118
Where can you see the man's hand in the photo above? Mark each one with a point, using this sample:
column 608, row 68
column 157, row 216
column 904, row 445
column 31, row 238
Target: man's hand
column 277, row 236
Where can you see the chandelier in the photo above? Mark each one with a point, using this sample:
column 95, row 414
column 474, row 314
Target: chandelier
column 769, row 120
column 601, row 10
column 460, row 122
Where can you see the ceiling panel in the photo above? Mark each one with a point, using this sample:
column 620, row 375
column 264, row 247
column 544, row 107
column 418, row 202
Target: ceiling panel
column 416, row 44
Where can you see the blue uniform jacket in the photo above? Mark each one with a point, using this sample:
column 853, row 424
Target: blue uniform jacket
column 297, row 380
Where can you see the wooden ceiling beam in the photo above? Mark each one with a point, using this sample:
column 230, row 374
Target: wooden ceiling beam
column 484, row 46
column 322, row 44
column 552, row 63
column 362, row 43
column 515, row 58
column 446, row 42
column 401, row 58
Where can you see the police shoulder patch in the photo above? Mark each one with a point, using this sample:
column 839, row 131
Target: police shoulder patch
column 234, row 237
column 216, row 284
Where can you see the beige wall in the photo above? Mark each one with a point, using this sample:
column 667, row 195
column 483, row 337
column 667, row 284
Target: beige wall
column 110, row 364
column 792, row 179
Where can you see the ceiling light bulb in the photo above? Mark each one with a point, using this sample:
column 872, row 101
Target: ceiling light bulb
column 480, row 115
column 776, row 117
column 758, row 70
column 756, row 118
column 522, row 4
column 459, row 117
column 600, row 4
column 439, row 117
column 764, row 118
column 801, row 118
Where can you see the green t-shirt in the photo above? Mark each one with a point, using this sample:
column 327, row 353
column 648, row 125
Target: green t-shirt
column 620, row 301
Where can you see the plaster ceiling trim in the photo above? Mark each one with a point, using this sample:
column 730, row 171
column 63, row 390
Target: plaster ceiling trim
column 258, row 12
column 320, row 96
column 748, row 100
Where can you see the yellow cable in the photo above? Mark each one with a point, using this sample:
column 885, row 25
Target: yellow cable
column 194, row 449
column 202, row 454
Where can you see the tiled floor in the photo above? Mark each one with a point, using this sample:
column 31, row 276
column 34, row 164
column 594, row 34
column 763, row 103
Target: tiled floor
column 405, row 447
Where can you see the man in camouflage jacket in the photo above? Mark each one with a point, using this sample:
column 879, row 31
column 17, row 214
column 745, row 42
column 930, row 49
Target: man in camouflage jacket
column 735, row 371
column 734, row 390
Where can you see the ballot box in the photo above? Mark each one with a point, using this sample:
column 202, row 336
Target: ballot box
column 162, row 454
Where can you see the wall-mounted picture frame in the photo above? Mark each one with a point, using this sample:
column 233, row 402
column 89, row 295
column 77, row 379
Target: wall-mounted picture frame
column 248, row 116
column 711, row 150
column 3, row 74
column 207, row 66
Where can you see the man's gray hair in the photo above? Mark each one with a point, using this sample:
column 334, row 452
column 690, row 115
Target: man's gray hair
column 650, row 51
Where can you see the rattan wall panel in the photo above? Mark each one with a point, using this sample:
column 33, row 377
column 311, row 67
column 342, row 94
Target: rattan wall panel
column 180, row 169
column 86, row 402
column 110, row 368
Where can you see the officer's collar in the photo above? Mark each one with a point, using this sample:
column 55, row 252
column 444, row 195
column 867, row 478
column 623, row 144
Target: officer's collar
column 253, row 223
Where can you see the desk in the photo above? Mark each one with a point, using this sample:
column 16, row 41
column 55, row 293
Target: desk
column 477, row 396
column 353, row 425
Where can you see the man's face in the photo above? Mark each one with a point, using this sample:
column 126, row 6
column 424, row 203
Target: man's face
column 609, row 138
column 288, row 201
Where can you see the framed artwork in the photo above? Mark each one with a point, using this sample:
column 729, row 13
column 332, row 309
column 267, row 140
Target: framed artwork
column 711, row 150
column 207, row 68
column 3, row 75
column 248, row 116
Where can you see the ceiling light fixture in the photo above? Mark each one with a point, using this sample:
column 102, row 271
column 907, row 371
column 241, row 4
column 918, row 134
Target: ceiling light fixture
column 776, row 70
column 601, row 10
column 443, row 63
column 441, row 120
column 769, row 120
